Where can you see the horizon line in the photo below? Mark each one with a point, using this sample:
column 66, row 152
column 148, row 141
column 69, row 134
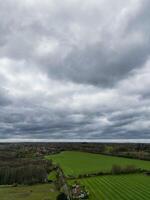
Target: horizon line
column 27, row 140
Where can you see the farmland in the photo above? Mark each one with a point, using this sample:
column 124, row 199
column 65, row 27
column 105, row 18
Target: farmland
column 116, row 187
column 75, row 163
column 35, row 192
column 101, row 186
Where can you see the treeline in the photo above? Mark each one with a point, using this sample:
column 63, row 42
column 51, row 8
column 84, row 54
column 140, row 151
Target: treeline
column 24, row 171
column 22, row 175
column 30, row 150
column 15, row 162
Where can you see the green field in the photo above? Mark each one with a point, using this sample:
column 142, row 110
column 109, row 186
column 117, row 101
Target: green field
column 36, row 192
column 108, row 187
column 118, row 187
column 74, row 163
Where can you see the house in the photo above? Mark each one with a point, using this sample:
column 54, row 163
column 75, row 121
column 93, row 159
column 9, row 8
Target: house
column 79, row 192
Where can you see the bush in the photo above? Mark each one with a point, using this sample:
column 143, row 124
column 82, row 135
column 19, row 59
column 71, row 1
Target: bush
column 62, row 196
column 130, row 168
column 116, row 169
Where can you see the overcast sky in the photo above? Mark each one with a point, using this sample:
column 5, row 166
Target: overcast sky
column 74, row 69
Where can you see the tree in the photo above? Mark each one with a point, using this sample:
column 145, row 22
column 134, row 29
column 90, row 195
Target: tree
column 62, row 196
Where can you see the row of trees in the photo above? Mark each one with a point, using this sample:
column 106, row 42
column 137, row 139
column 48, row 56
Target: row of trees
column 24, row 171
column 23, row 175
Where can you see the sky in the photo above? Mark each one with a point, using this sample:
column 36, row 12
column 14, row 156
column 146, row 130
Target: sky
column 74, row 69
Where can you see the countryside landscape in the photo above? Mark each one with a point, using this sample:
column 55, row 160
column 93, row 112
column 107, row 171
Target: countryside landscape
column 74, row 171
column 74, row 99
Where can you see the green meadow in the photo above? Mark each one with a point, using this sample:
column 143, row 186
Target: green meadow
column 35, row 192
column 106, row 187
column 118, row 187
column 75, row 163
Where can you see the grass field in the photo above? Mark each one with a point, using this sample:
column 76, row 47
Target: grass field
column 74, row 163
column 36, row 192
column 118, row 187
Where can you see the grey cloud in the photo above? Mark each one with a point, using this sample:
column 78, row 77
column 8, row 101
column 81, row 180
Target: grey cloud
column 74, row 69
column 104, row 61
column 4, row 98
